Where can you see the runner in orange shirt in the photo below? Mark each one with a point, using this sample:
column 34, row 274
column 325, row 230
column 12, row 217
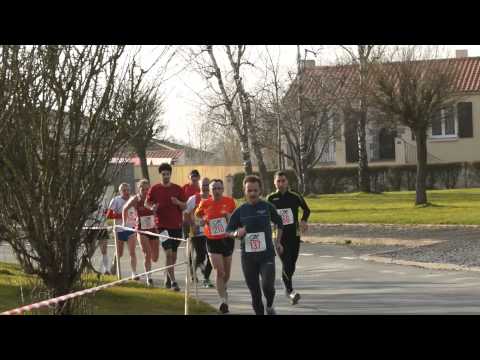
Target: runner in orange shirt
column 216, row 212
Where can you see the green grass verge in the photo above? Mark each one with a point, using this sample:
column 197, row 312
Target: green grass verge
column 458, row 206
column 128, row 299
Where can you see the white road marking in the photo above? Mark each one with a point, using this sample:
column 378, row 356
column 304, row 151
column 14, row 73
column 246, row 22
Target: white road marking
column 305, row 254
column 348, row 258
column 326, row 256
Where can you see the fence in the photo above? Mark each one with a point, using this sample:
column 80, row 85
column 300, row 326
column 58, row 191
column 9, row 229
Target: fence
column 59, row 299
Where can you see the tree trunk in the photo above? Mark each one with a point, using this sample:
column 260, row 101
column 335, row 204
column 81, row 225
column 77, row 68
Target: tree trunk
column 363, row 174
column 421, row 185
column 142, row 155
column 247, row 161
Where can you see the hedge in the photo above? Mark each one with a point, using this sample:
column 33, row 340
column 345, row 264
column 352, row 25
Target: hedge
column 382, row 178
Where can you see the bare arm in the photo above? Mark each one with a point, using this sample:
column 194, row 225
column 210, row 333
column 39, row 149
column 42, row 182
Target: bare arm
column 131, row 202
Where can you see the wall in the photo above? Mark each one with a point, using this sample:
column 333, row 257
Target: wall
column 181, row 172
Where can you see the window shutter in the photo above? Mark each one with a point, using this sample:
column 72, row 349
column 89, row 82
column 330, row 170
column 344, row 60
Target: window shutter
column 465, row 121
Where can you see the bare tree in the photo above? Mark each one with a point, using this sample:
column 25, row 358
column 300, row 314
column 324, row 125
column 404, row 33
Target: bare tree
column 411, row 91
column 61, row 120
column 362, row 56
column 306, row 111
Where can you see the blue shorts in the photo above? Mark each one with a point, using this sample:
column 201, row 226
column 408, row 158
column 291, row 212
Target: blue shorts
column 124, row 235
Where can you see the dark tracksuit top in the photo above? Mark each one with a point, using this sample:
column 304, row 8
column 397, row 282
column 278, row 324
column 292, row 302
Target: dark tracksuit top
column 256, row 218
column 293, row 201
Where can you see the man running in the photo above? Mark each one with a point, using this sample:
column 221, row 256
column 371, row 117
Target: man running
column 115, row 212
column 145, row 221
column 216, row 211
column 287, row 203
column 167, row 201
column 199, row 241
column 251, row 224
column 190, row 189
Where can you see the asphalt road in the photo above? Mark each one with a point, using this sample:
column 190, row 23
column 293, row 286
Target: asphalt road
column 333, row 280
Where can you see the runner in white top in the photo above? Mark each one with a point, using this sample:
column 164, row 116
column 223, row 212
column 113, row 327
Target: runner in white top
column 115, row 212
column 145, row 221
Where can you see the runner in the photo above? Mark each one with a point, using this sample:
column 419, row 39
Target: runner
column 287, row 203
column 190, row 189
column 115, row 212
column 251, row 224
column 145, row 221
column 216, row 212
column 199, row 241
column 167, row 200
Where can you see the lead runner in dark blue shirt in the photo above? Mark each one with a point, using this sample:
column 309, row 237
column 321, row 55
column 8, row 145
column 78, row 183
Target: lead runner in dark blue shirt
column 251, row 224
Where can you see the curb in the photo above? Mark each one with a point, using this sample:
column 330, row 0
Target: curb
column 369, row 241
column 426, row 265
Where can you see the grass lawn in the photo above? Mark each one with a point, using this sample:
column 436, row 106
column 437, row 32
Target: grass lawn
column 128, row 299
column 458, row 206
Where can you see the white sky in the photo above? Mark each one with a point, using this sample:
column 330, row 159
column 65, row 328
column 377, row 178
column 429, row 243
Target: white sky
column 181, row 102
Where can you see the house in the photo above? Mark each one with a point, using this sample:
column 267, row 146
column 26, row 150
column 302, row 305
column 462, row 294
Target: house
column 453, row 137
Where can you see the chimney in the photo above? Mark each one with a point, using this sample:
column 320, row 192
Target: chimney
column 308, row 64
column 461, row 53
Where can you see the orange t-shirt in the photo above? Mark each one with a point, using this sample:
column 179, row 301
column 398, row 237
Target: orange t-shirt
column 215, row 215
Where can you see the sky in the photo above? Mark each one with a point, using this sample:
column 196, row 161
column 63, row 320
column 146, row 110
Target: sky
column 182, row 85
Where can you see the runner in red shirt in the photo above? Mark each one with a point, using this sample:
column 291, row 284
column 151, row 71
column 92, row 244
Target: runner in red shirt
column 190, row 189
column 145, row 221
column 167, row 201
column 216, row 211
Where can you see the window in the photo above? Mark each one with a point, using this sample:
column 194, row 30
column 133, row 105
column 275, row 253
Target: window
column 444, row 123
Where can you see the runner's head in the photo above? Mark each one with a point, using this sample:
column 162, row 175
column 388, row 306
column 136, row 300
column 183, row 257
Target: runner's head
column 216, row 189
column 205, row 185
column 194, row 177
column 124, row 190
column 165, row 171
column 281, row 181
column 252, row 186
column 142, row 187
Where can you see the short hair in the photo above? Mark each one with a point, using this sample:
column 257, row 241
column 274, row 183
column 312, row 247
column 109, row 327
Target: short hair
column 216, row 180
column 252, row 179
column 194, row 172
column 127, row 185
column 142, row 182
column 164, row 166
column 280, row 173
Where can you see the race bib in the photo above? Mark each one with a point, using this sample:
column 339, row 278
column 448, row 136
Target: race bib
column 255, row 242
column 218, row 226
column 286, row 215
column 147, row 222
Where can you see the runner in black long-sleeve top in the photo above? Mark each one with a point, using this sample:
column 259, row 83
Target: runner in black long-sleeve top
column 287, row 203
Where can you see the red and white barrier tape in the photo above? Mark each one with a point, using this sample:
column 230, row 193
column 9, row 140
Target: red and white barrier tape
column 133, row 230
column 58, row 299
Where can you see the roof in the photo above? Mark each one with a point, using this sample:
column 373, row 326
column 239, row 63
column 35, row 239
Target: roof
column 342, row 78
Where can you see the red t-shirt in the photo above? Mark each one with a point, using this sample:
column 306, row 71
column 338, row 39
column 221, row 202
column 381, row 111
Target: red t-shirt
column 190, row 190
column 168, row 215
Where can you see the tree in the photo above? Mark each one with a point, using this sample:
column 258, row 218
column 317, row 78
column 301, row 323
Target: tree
column 362, row 56
column 60, row 119
column 307, row 112
column 231, row 102
column 412, row 91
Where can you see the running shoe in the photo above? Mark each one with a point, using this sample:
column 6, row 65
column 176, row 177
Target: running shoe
column 168, row 283
column 208, row 284
column 150, row 282
column 224, row 308
column 135, row 277
column 294, row 297
column 175, row 286
column 271, row 311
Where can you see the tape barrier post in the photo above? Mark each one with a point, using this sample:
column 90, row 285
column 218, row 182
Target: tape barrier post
column 187, row 276
column 117, row 259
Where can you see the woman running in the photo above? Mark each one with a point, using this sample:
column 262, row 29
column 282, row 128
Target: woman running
column 145, row 221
